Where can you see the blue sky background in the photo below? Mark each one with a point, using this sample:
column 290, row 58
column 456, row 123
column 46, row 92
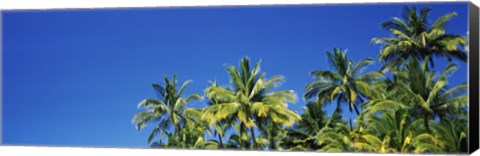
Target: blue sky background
column 75, row 77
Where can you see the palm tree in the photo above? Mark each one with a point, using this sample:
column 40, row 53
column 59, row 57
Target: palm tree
column 408, row 104
column 372, row 143
column 395, row 130
column 220, row 126
column 344, row 83
column 414, row 37
column 193, row 133
column 387, row 132
column 313, row 118
column 302, row 135
column 335, row 136
column 454, row 133
column 426, row 92
column 167, row 111
column 296, row 140
column 241, row 139
column 252, row 99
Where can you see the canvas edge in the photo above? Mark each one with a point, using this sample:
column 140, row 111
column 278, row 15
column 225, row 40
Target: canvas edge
column 473, row 132
column 473, row 28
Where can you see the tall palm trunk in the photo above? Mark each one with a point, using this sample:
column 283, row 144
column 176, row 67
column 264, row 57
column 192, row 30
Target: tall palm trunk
column 425, row 123
column 356, row 109
column 350, row 124
column 220, row 139
column 252, row 132
column 178, row 136
column 272, row 143
column 177, row 131
column 355, row 106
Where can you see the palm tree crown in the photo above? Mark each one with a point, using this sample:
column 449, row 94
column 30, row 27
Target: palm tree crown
column 344, row 83
column 414, row 37
column 252, row 99
column 168, row 110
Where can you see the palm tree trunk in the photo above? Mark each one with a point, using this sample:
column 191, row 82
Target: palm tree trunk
column 350, row 123
column 425, row 123
column 356, row 109
column 220, row 139
column 361, row 102
column 272, row 143
column 252, row 132
column 337, row 109
column 176, row 133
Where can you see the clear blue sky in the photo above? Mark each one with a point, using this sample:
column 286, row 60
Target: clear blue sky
column 75, row 77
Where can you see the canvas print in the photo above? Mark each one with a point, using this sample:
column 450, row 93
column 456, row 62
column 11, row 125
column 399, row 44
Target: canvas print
column 380, row 78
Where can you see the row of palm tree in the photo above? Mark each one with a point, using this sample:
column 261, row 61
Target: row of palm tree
column 407, row 106
column 413, row 111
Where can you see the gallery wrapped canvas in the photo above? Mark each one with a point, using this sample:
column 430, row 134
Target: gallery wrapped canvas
column 357, row 78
